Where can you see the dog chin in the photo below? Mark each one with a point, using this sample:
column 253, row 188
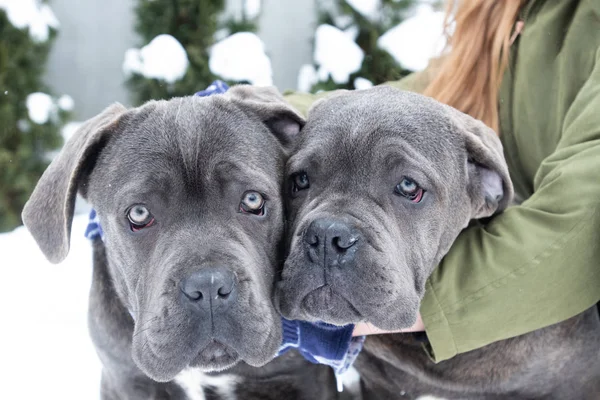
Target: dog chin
column 215, row 357
column 327, row 305
column 397, row 315
column 160, row 369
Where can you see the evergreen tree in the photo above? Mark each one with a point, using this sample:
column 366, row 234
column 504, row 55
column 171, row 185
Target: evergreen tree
column 378, row 65
column 24, row 144
column 194, row 24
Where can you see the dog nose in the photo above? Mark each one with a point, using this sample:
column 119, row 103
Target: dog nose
column 332, row 241
column 212, row 287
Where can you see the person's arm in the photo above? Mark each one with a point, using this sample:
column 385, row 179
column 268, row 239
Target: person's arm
column 534, row 265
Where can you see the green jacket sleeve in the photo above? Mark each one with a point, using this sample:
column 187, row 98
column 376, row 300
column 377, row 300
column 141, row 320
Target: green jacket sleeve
column 302, row 101
column 544, row 254
column 415, row 82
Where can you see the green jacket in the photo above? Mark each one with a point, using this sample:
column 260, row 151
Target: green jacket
column 538, row 263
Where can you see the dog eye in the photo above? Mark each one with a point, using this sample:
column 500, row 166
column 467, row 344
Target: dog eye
column 410, row 189
column 139, row 217
column 299, row 181
column 252, row 203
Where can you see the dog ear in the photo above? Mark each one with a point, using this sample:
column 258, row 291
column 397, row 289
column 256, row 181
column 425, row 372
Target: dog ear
column 48, row 213
column 490, row 187
column 270, row 106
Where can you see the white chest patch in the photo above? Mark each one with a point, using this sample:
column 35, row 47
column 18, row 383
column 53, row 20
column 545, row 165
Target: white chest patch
column 193, row 382
column 429, row 397
column 351, row 381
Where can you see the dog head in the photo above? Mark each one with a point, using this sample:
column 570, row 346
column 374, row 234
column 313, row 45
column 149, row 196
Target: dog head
column 381, row 183
column 188, row 192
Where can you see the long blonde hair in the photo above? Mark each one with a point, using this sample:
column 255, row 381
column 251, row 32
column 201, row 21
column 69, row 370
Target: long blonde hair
column 468, row 76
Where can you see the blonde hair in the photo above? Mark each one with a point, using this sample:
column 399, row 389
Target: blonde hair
column 468, row 76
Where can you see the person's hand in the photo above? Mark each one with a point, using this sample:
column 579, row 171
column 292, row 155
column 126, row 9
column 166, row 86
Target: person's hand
column 365, row 328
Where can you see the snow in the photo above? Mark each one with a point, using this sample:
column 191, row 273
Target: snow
column 367, row 8
column 417, row 39
column 412, row 43
column 342, row 21
column 133, row 62
column 45, row 346
column 362, row 83
column 164, row 58
column 66, row 103
column 252, row 8
column 322, row 74
column 307, row 77
column 221, row 34
column 49, row 17
column 40, row 107
column 352, row 32
column 336, row 54
column 38, row 18
column 241, row 57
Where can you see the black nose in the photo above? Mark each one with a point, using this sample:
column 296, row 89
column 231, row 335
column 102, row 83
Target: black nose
column 213, row 288
column 332, row 242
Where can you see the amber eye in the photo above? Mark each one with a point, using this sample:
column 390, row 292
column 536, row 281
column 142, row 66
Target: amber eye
column 410, row 189
column 299, row 181
column 139, row 217
column 252, row 203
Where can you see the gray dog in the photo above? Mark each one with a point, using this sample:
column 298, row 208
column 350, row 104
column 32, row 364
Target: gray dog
column 381, row 183
column 189, row 196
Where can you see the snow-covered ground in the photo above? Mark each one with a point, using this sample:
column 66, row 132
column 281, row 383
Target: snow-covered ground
column 45, row 350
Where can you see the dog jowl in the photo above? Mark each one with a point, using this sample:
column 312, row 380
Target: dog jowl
column 189, row 197
column 380, row 184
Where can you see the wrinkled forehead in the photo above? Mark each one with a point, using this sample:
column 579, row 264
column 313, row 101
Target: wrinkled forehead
column 193, row 137
column 378, row 126
column 205, row 128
